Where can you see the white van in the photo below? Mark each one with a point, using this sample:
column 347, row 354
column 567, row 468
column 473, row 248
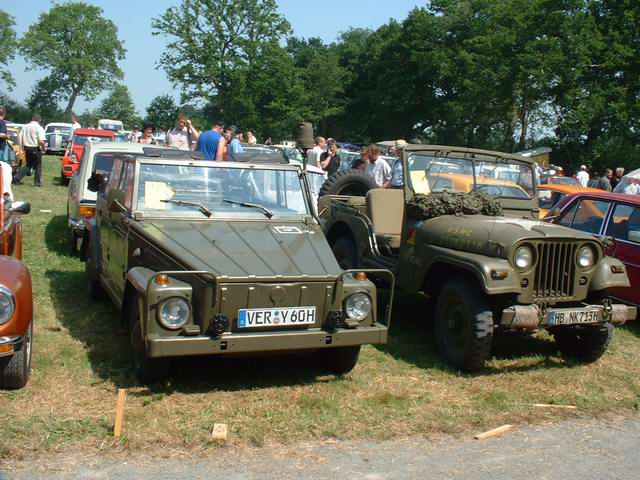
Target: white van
column 113, row 125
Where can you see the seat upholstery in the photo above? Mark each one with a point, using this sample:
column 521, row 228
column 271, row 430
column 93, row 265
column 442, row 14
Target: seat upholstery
column 385, row 208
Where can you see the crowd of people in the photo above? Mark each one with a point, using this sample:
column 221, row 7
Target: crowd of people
column 609, row 182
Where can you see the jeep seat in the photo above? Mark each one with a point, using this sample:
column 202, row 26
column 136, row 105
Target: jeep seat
column 385, row 208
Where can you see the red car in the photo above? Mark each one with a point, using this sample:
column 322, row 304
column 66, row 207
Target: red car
column 613, row 215
column 75, row 149
column 16, row 304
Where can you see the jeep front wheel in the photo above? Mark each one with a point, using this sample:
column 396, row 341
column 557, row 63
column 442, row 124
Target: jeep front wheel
column 339, row 360
column 15, row 369
column 148, row 370
column 463, row 324
column 586, row 344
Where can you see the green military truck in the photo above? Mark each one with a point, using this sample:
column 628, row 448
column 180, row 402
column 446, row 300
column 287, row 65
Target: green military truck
column 222, row 258
column 486, row 273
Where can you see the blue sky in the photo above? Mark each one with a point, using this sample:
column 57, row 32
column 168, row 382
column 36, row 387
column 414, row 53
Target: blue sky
column 319, row 18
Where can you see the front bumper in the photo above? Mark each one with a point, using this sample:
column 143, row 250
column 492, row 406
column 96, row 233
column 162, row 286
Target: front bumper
column 10, row 345
column 532, row 317
column 262, row 342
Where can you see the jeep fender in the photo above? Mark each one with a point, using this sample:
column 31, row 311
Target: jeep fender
column 356, row 227
column 604, row 277
column 136, row 283
column 479, row 266
column 91, row 230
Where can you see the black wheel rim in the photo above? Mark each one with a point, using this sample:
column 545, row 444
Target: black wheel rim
column 456, row 325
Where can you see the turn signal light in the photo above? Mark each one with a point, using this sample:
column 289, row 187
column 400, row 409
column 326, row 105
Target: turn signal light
column 361, row 276
column 87, row 212
column 6, row 348
column 161, row 279
column 499, row 274
column 617, row 268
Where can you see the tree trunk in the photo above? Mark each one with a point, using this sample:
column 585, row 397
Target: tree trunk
column 72, row 100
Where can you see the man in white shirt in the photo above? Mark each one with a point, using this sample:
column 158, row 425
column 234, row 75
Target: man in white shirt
column 633, row 188
column 378, row 169
column 313, row 156
column 583, row 176
column 183, row 136
column 31, row 140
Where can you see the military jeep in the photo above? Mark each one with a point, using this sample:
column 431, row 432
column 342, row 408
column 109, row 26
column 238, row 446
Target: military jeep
column 485, row 273
column 222, row 258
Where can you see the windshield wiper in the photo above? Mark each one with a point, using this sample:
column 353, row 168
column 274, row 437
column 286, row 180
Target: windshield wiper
column 200, row 207
column 264, row 210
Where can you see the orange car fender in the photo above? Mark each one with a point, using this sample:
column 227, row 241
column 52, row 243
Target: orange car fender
column 16, row 277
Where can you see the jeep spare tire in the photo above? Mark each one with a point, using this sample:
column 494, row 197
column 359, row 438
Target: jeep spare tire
column 352, row 183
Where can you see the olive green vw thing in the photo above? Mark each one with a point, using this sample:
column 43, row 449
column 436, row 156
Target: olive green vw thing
column 222, row 258
column 485, row 273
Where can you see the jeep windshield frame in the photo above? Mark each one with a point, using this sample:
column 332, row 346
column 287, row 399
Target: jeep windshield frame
column 280, row 188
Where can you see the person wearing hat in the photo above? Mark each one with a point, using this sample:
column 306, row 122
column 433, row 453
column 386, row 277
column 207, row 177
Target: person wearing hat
column 147, row 134
column 235, row 147
column 583, row 176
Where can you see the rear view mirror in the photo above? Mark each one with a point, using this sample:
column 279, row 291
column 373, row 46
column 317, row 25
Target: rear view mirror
column 96, row 182
column 21, row 207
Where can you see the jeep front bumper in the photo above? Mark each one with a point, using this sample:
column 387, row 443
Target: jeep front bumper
column 259, row 342
column 532, row 317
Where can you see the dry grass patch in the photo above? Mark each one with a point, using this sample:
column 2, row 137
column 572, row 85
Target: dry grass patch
column 81, row 357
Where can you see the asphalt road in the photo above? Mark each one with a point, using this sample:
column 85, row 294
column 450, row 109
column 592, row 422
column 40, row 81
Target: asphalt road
column 566, row 450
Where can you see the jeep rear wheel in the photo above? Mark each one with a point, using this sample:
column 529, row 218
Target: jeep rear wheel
column 586, row 344
column 463, row 324
column 345, row 252
column 148, row 370
column 15, row 370
column 339, row 360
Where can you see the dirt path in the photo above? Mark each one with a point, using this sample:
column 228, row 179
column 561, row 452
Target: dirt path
column 584, row 449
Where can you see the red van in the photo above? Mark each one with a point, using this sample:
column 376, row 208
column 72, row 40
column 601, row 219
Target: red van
column 75, row 149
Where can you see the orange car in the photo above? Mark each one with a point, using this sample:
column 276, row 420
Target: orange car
column 456, row 182
column 550, row 194
column 16, row 304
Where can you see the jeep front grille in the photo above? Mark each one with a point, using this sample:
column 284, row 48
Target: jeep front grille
column 555, row 271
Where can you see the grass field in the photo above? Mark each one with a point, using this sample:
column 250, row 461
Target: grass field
column 81, row 357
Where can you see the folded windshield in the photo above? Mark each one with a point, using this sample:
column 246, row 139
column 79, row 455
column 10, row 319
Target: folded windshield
column 167, row 190
column 501, row 178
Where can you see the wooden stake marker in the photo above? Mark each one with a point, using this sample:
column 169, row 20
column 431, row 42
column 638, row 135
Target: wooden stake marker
column 494, row 433
column 548, row 405
column 117, row 427
column 220, row 431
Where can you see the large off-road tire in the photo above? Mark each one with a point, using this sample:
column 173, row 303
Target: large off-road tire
column 345, row 252
column 339, row 360
column 15, row 370
column 95, row 288
column 147, row 369
column 347, row 182
column 586, row 344
column 463, row 324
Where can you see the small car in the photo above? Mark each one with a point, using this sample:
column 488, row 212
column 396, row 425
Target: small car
column 81, row 202
column 75, row 149
column 223, row 258
column 559, row 180
column 549, row 194
column 611, row 216
column 57, row 136
column 16, row 304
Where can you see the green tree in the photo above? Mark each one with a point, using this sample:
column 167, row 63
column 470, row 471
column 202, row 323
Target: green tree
column 16, row 112
column 212, row 42
column 78, row 46
column 162, row 111
column 43, row 99
column 7, row 47
column 118, row 105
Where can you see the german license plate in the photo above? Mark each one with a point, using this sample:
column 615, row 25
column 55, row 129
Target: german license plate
column 569, row 316
column 276, row 317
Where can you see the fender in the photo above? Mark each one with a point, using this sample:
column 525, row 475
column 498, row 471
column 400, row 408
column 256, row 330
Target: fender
column 604, row 277
column 16, row 278
column 479, row 266
column 91, row 230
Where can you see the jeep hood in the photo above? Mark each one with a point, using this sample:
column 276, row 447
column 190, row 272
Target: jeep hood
column 493, row 236
column 243, row 249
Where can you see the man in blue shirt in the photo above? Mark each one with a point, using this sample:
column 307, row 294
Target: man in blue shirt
column 235, row 147
column 211, row 143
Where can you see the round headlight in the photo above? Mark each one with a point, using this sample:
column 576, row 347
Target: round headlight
column 358, row 306
column 586, row 257
column 174, row 313
column 523, row 257
column 7, row 304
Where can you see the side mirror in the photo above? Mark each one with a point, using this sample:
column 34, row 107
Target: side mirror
column 609, row 246
column 20, row 207
column 97, row 182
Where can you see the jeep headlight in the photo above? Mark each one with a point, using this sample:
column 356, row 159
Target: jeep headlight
column 586, row 256
column 523, row 257
column 358, row 306
column 7, row 304
column 174, row 313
